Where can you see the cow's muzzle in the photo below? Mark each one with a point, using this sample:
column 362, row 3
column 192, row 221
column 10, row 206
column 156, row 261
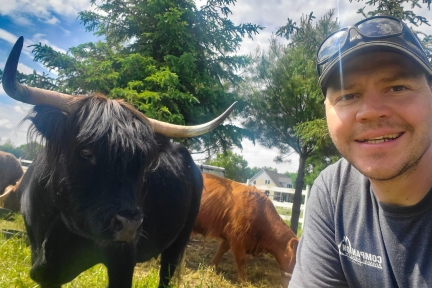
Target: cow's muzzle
column 125, row 228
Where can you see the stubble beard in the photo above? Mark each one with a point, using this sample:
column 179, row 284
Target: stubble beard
column 409, row 162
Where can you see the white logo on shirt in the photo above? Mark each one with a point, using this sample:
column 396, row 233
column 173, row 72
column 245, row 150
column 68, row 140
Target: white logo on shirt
column 359, row 257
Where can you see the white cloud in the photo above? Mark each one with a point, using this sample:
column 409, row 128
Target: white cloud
column 20, row 109
column 20, row 10
column 21, row 68
column 9, row 37
column 10, row 118
column 5, row 123
column 24, row 69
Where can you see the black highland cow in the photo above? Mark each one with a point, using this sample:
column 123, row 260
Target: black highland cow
column 108, row 188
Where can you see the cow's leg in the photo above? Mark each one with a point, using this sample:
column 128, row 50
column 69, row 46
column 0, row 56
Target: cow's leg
column 239, row 252
column 223, row 248
column 62, row 256
column 171, row 257
column 120, row 262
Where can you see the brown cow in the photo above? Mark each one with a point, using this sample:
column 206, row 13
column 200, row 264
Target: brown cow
column 10, row 170
column 9, row 199
column 247, row 222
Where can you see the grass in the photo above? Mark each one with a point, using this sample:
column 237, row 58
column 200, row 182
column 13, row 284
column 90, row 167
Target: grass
column 262, row 271
column 286, row 211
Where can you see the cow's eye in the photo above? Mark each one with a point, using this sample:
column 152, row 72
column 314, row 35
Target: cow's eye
column 86, row 153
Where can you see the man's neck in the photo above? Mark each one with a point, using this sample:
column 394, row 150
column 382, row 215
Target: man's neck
column 409, row 188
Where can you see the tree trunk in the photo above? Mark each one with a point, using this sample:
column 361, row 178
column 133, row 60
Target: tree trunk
column 298, row 194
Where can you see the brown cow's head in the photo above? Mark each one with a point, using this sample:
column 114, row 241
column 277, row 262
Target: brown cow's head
column 9, row 199
column 292, row 251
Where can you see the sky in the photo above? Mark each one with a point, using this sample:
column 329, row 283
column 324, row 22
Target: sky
column 55, row 23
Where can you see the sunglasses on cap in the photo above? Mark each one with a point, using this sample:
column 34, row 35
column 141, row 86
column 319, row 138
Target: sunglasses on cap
column 382, row 33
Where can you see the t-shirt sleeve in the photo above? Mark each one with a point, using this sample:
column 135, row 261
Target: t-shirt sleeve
column 318, row 262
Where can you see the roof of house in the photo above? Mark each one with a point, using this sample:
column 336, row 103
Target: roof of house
column 276, row 178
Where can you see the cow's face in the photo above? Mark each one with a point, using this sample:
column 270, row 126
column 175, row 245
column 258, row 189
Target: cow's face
column 98, row 160
column 288, row 261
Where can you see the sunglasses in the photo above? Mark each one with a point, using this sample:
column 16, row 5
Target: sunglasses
column 370, row 29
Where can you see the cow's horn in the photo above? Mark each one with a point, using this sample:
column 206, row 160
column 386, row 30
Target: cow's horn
column 179, row 131
column 28, row 94
column 37, row 96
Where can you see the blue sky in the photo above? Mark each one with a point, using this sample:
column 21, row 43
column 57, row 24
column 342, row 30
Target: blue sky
column 55, row 23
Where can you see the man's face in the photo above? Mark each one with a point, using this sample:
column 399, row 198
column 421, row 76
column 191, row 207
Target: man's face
column 379, row 114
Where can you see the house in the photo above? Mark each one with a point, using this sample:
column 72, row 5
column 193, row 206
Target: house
column 278, row 187
column 272, row 179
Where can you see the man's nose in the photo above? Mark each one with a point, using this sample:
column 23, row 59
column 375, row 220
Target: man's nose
column 373, row 106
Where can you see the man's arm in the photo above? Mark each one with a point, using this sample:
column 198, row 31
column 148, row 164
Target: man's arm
column 318, row 262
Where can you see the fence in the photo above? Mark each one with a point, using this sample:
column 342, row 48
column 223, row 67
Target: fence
column 283, row 197
column 24, row 163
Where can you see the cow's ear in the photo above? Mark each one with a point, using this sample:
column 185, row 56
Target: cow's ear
column 49, row 122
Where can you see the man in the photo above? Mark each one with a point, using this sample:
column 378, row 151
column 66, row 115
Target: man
column 369, row 215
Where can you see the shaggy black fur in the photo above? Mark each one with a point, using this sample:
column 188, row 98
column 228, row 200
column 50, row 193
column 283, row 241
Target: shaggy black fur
column 102, row 160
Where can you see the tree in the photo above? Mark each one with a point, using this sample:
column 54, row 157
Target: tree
column 283, row 93
column 169, row 59
column 234, row 164
column 26, row 151
column 396, row 8
column 9, row 147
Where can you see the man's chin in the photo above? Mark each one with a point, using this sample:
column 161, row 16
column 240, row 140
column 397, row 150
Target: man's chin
column 379, row 172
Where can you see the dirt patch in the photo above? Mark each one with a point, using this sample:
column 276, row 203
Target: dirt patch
column 261, row 271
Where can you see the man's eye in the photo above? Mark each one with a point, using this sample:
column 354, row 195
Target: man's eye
column 397, row 88
column 346, row 97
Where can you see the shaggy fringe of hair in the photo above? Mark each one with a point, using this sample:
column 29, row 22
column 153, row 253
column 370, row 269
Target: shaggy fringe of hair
column 112, row 127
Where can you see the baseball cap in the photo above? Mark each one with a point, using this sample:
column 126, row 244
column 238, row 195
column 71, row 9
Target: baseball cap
column 379, row 33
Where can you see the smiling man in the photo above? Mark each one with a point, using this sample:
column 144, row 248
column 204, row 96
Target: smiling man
column 369, row 216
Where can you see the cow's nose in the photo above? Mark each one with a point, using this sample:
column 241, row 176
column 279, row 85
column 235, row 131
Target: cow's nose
column 125, row 228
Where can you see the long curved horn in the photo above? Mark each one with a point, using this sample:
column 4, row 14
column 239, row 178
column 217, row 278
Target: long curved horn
column 37, row 96
column 179, row 131
column 28, row 94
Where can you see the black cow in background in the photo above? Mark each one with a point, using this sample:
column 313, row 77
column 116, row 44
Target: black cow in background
column 108, row 188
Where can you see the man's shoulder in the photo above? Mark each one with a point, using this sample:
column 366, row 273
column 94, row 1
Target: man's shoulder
column 340, row 167
column 340, row 176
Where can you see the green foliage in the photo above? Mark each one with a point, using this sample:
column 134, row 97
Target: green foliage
column 170, row 59
column 286, row 105
column 293, row 177
column 286, row 108
column 234, row 164
column 24, row 151
column 190, row 48
column 395, row 8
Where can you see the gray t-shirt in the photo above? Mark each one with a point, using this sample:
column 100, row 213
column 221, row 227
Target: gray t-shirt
column 350, row 239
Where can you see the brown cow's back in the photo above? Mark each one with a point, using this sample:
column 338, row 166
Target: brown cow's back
column 247, row 222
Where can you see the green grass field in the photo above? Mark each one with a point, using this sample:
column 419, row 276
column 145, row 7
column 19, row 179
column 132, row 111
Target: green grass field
column 286, row 211
column 196, row 272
